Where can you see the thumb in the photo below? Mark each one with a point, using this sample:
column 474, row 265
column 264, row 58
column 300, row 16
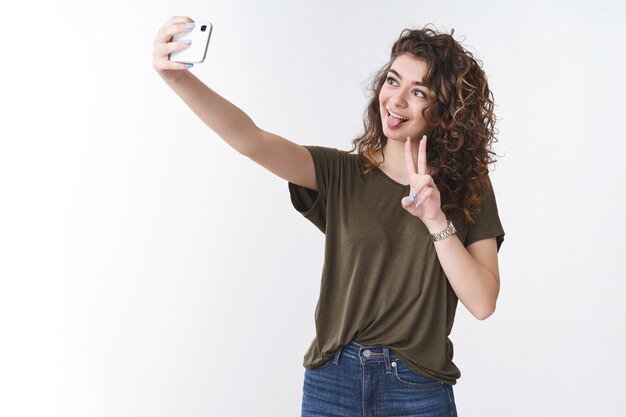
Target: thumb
column 408, row 200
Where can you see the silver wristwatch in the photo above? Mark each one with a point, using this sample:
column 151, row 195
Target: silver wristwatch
column 448, row 231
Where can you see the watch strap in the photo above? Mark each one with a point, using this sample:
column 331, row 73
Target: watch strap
column 448, row 231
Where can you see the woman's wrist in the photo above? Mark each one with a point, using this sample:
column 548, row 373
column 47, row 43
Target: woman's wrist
column 436, row 225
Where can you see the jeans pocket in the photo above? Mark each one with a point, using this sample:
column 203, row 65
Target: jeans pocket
column 323, row 366
column 405, row 376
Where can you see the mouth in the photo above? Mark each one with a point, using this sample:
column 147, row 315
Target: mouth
column 394, row 120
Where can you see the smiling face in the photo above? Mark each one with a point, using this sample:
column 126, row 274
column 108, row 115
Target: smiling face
column 402, row 98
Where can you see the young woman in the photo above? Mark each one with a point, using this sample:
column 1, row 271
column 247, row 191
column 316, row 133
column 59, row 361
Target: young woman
column 410, row 219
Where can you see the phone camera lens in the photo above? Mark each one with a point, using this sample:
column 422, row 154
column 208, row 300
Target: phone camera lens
column 203, row 28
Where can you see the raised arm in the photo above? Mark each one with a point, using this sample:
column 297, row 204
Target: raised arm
column 284, row 158
column 473, row 271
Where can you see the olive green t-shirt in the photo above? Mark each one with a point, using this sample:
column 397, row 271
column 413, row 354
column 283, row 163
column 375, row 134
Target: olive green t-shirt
column 382, row 283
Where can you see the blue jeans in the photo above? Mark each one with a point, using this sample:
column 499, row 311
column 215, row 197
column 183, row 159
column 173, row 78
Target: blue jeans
column 371, row 381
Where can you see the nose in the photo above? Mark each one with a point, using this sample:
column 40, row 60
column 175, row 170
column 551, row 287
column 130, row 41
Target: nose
column 397, row 101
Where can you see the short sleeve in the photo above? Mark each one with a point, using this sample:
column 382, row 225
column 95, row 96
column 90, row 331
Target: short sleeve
column 311, row 203
column 487, row 222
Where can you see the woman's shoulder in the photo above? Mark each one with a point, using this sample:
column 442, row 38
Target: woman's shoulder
column 329, row 149
column 328, row 152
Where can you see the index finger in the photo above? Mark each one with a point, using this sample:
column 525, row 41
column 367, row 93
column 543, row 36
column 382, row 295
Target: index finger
column 422, row 163
column 408, row 156
column 173, row 26
column 178, row 19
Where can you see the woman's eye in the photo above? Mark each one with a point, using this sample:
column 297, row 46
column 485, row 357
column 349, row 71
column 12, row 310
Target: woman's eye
column 416, row 93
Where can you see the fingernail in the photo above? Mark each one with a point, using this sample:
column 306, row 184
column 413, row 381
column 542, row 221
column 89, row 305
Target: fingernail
column 410, row 199
column 189, row 65
column 418, row 203
column 190, row 25
column 414, row 195
column 408, row 138
column 424, row 137
column 187, row 42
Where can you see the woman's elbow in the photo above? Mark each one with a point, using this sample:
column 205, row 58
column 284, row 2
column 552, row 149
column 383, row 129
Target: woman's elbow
column 485, row 313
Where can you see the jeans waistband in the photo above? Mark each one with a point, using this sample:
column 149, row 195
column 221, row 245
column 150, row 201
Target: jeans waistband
column 367, row 353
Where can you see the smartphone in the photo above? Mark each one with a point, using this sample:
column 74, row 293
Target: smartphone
column 196, row 52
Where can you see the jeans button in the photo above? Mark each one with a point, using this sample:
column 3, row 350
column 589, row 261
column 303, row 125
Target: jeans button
column 367, row 353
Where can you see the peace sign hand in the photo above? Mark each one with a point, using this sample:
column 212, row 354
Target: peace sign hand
column 424, row 201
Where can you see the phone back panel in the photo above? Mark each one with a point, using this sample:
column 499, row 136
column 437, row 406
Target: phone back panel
column 196, row 52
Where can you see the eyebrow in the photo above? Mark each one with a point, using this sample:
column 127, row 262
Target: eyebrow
column 414, row 82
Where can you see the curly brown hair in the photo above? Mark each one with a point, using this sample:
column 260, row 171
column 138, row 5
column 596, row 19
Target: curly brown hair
column 460, row 114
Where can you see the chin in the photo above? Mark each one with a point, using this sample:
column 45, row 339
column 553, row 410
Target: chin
column 390, row 136
column 398, row 135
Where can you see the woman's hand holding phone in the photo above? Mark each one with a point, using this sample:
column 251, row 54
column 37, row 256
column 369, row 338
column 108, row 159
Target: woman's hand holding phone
column 170, row 71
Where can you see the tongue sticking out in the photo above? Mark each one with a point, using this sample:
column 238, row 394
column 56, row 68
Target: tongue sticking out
column 393, row 121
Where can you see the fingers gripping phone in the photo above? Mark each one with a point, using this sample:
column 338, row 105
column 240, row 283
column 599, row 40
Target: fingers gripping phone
column 196, row 52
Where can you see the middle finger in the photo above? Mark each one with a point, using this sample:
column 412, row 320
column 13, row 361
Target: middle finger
column 168, row 31
column 422, row 164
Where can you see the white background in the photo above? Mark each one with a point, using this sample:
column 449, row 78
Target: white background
column 147, row 269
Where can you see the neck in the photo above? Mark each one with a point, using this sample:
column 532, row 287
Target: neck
column 395, row 161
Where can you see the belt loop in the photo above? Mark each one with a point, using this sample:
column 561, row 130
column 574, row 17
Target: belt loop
column 387, row 359
column 337, row 355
